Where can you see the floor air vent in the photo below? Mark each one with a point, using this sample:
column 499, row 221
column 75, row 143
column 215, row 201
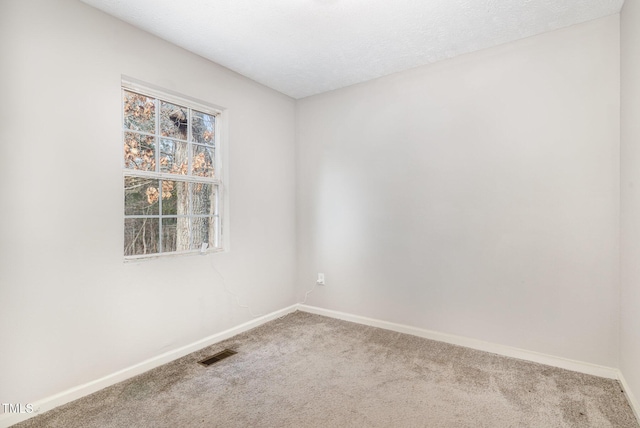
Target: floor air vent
column 217, row 357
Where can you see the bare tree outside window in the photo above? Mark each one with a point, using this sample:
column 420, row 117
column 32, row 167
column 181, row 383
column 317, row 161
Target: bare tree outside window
column 171, row 186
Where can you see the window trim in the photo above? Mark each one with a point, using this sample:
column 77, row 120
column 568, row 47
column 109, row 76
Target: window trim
column 220, row 162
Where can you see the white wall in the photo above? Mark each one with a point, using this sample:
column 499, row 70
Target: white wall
column 71, row 311
column 478, row 196
column 630, row 196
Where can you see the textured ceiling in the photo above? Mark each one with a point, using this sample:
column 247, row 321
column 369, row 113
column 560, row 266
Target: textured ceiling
column 304, row 47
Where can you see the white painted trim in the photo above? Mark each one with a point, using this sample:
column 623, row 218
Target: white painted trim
column 134, row 85
column 80, row 391
column 41, row 406
column 508, row 351
column 633, row 401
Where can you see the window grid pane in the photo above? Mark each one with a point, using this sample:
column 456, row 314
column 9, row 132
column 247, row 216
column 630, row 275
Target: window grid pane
column 141, row 236
column 139, row 151
column 165, row 215
column 139, row 112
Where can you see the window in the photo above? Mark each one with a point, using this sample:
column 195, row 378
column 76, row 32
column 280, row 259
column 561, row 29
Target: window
column 172, row 180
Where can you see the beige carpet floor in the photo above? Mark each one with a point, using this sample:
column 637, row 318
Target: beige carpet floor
column 306, row 370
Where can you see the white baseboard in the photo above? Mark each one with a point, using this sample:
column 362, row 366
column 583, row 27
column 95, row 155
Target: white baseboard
column 80, row 391
column 508, row 351
column 41, row 406
column 633, row 401
column 494, row 348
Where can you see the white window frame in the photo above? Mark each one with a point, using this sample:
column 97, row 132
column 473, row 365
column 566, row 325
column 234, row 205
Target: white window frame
column 219, row 146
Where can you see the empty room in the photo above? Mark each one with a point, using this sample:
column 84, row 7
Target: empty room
column 311, row 213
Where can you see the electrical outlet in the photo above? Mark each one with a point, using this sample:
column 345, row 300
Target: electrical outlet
column 320, row 280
